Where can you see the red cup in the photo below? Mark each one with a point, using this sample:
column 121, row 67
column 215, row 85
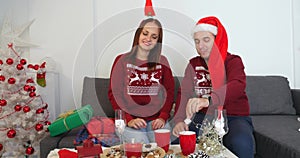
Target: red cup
column 133, row 149
column 162, row 138
column 187, row 140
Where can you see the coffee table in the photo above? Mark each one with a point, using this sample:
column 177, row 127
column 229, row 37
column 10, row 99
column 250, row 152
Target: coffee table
column 227, row 153
column 174, row 147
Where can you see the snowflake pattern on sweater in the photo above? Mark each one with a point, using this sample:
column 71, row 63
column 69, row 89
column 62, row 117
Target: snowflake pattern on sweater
column 143, row 82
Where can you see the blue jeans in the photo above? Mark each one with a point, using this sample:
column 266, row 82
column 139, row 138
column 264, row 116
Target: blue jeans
column 146, row 135
column 239, row 139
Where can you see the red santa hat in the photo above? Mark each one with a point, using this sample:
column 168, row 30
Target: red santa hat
column 149, row 11
column 213, row 25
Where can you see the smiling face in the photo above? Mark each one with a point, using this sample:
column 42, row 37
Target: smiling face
column 148, row 37
column 204, row 42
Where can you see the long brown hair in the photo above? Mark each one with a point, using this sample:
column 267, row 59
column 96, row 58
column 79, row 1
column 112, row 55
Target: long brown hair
column 154, row 55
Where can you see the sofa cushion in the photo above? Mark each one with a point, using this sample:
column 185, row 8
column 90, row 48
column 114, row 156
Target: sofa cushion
column 296, row 99
column 277, row 135
column 269, row 95
column 95, row 93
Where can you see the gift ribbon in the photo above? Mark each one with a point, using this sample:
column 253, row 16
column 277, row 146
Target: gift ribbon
column 65, row 115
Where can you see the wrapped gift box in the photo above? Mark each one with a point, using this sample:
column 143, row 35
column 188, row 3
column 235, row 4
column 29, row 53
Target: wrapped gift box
column 89, row 149
column 70, row 120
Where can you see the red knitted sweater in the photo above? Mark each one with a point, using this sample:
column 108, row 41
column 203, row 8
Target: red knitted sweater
column 197, row 83
column 141, row 92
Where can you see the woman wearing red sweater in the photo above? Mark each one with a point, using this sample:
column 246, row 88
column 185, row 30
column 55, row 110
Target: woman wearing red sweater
column 142, row 83
column 215, row 77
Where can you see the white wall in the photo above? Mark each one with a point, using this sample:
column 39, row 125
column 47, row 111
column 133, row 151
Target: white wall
column 60, row 27
column 83, row 37
column 296, row 42
column 261, row 32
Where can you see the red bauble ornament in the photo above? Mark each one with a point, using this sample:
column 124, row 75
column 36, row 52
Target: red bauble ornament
column 18, row 107
column 29, row 81
column 3, row 102
column 26, row 108
column 39, row 127
column 29, row 150
column 26, row 88
column 9, row 61
column 1, row 62
column 30, row 66
column 46, row 106
column 47, row 123
column 39, row 111
column 23, row 61
column 2, row 78
column 11, row 133
column 10, row 45
column 32, row 88
column 1, row 147
column 11, row 80
column 20, row 67
column 36, row 67
column 32, row 94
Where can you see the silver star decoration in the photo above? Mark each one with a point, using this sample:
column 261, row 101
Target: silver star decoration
column 9, row 34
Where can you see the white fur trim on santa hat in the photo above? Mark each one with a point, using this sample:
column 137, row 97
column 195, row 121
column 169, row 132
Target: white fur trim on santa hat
column 205, row 27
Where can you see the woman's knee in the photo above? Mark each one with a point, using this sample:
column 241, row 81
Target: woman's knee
column 139, row 135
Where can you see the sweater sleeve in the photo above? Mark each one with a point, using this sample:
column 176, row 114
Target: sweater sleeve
column 168, row 86
column 236, row 78
column 236, row 100
column 116, row 86
column 185, row 92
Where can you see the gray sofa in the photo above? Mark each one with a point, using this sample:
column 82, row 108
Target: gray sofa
column 273, row 105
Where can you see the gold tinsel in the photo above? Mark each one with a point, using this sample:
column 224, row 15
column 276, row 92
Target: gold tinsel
column 209, row 141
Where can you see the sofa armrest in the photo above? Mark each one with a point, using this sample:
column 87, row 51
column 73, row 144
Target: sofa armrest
column 296, row 99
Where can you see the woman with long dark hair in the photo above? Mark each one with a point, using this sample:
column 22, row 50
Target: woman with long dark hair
column 141, row 83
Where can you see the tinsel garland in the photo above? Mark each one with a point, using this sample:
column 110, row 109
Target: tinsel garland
column 209, row 141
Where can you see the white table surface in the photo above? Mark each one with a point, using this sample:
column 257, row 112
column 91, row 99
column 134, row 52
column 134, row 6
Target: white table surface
column 176, row 148
column 227, row 153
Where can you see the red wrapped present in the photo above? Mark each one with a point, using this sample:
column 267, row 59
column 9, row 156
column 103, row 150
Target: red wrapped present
column 89, row 149
column 100, row 125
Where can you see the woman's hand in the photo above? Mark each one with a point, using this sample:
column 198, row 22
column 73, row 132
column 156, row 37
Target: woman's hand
column 194, row 105
column 179, row 127
column 137, row 123
column 158, row 123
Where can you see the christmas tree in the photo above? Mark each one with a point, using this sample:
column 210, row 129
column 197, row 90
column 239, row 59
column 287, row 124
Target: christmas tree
column 23, row 113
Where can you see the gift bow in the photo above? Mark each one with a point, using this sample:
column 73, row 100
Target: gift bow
column 66, row 114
